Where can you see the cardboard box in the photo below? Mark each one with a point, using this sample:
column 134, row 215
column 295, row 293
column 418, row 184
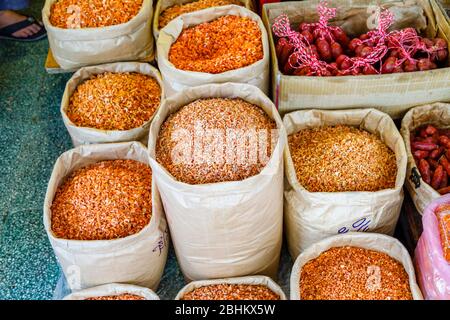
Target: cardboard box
column 390, row 93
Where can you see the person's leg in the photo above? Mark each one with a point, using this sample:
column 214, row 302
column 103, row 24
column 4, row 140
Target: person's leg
column 9, row 17
column 13, row 4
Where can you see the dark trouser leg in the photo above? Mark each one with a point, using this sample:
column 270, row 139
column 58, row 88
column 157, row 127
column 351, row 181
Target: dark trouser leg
column 14, row 4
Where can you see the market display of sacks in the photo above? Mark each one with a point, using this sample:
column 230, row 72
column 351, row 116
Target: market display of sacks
column 352, row 74
column 87, row 34
column 345, row 172
column 225, row 214
column 236, row 51
column 97, row 218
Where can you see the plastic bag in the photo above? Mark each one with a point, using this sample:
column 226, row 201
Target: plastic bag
column 433, row 271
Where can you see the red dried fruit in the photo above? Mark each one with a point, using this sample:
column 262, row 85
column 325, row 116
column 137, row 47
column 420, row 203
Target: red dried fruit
column 324, row 49
column 430, row 130
column 369, row 70
column 389, row 65
column 341, row 36
column 444, row 141
column 336, row 50
column 409, row 66
column 308, row 36
column 359, row 50
column 354, row 43
column 437, row 177
column 442, row 55
column 444, row 182
column 366, row 51
column 425, row 64
column 445, row 163
column 314, row 51
column 279, row 47
column 425, row 170
column 444, row 190
column 420, row 154
column 304, row 71
column 436, row 153
column 426, row 146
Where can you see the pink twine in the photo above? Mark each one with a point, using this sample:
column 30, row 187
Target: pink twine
column 325, row 15
column 377, row 37
column 406, row 42
column 385, row 20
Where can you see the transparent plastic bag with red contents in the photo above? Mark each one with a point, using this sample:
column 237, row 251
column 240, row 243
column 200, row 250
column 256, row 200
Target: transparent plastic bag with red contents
column 433, row 269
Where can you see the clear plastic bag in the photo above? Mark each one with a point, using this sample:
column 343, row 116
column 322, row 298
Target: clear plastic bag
column 433, row 271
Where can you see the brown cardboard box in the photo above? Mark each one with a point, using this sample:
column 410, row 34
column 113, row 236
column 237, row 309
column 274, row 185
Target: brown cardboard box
column 390, row 93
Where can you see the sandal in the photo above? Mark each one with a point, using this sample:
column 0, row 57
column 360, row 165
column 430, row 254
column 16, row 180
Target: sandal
column 6, row 32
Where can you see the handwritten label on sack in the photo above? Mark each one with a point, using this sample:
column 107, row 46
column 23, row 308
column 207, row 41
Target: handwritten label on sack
column 361, row 225
column 415, row 177
column 162, row 242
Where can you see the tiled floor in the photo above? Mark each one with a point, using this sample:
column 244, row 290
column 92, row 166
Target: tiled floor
column 32, row 136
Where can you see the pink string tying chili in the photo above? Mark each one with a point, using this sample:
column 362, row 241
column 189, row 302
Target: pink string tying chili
column 303, row 55
column 378, row 37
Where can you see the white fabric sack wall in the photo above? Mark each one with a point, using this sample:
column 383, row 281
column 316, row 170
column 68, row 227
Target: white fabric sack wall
column 313, row 216
column 74, row 48
column 371, row 241
column 113, row 289
column 224, row 229
column 175, row 80
column 137, row 259
column 85, row 135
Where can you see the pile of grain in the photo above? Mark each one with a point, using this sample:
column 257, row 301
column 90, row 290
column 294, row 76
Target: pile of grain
column 114, row 101
column 176, row 10
column 443, row 216
column 185, row 149
column 75, row 14
column 102, row 201
column 227, row 43
column 342, row 158
column 351, row 273
column 231, row 292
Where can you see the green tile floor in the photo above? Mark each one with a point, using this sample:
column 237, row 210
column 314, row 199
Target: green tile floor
column 32, row 136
